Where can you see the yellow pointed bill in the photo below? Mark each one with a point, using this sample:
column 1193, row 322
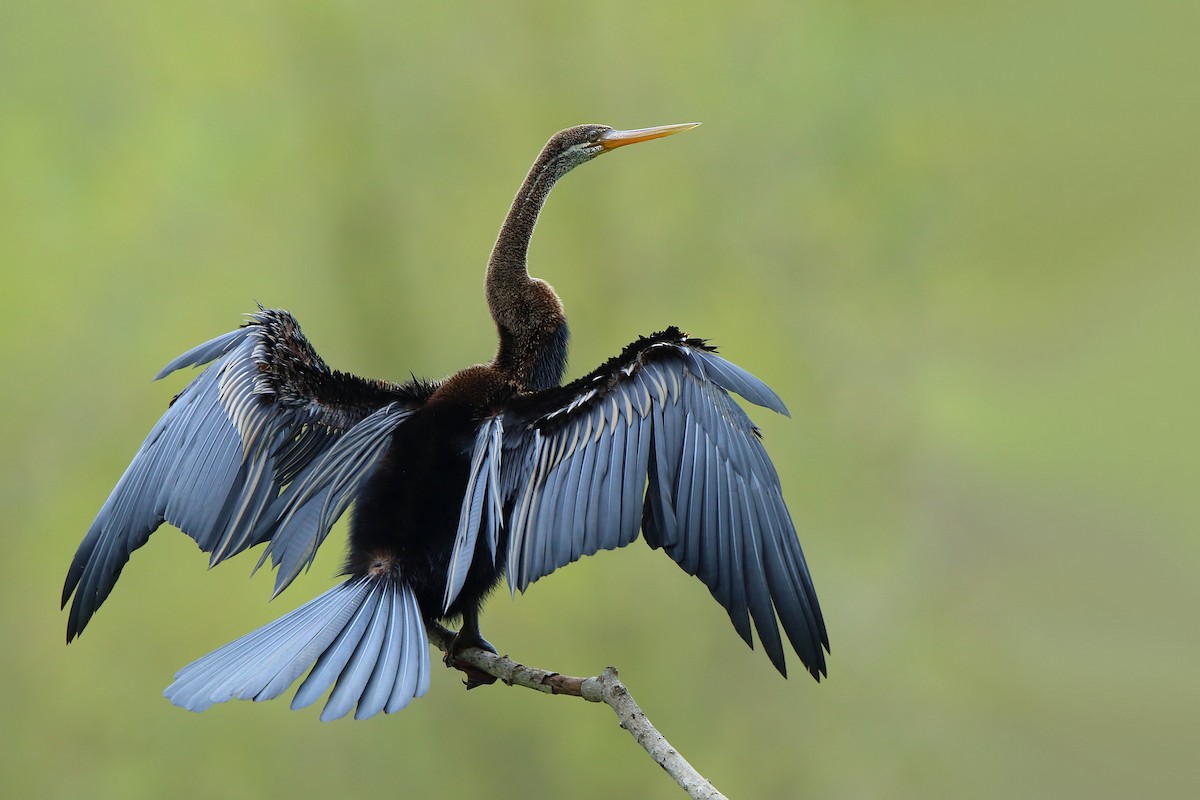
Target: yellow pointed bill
column 614, row 139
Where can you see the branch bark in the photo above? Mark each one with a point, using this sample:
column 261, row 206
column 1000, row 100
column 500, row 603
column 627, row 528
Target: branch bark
column 603, row 688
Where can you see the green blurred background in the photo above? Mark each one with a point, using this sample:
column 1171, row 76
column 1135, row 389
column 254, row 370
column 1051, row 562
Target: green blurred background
column 959, row 239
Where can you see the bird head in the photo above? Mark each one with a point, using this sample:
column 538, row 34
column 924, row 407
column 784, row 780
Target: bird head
column 574, row 146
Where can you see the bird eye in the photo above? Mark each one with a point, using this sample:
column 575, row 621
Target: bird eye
column 594, row 135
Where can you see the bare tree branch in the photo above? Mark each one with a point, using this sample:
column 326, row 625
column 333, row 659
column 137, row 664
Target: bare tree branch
column 482, row 667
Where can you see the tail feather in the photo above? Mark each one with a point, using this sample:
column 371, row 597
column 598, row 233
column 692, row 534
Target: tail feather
column 366, row 636
column 386, row 673
column 412, row 680
column 262, row 664
column 344, row 662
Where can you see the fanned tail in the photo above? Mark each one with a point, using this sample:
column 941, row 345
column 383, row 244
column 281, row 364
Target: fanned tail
column 366, row 636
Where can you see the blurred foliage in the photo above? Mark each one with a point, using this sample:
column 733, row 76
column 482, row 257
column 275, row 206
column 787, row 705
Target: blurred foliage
column 958, row 238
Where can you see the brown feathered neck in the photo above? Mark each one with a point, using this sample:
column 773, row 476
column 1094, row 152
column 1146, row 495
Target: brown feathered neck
column 528, row 314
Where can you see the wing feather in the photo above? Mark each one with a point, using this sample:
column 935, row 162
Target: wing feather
column 583, row 520
column 739, row 607
column 757, row 592
column 637, row 454
column 482, row 489
column 710, row 555
column 265, row 431
column 615, row 444
column 653, row 440
column 564, row 542
column 607, row 511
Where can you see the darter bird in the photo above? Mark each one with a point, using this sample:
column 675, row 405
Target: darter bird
column 496, row 470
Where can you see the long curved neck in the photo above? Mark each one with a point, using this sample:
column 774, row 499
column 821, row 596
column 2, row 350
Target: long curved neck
column 529, row 317
column 508, row 264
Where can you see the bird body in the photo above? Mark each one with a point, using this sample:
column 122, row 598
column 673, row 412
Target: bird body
column 496, row 470
column 407, row 513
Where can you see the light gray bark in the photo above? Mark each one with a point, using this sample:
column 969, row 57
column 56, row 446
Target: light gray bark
column 603, row 688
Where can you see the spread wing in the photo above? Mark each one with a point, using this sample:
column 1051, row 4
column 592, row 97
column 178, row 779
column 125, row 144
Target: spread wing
column 265, row 444
column 653, row 441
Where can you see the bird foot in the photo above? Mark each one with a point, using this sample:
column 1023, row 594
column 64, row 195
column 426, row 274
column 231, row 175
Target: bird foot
column 464, row 640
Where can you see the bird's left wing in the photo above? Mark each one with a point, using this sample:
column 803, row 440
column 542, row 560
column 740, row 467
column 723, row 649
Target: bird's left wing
column 266, row 443
column 650, row 441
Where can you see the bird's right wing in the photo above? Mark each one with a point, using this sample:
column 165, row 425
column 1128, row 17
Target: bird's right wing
column 266, row 443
